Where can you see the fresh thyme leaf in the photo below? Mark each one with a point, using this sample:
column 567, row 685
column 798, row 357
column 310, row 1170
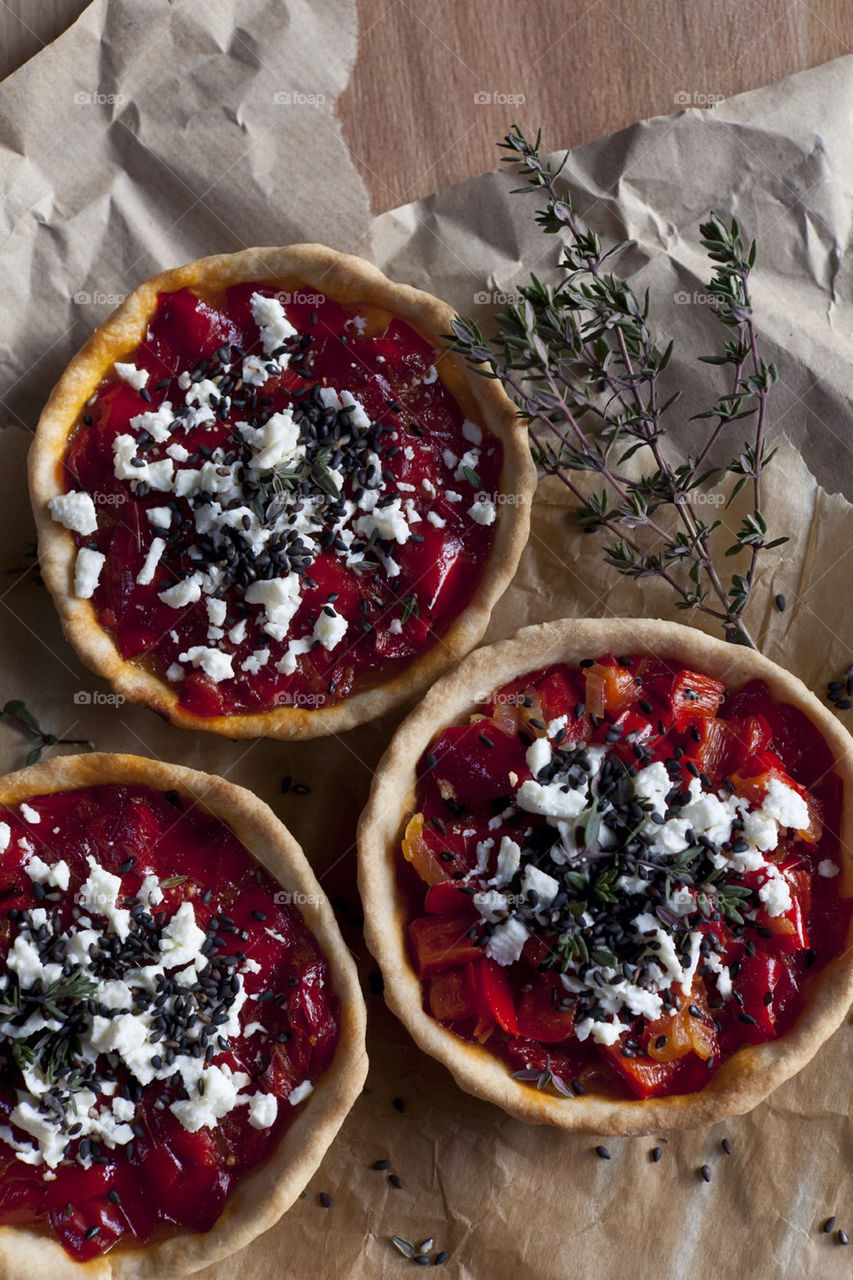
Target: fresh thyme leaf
column 580, row 361
column 410, row 609
column 18, row 714
column 172, row 881
column 472, row 477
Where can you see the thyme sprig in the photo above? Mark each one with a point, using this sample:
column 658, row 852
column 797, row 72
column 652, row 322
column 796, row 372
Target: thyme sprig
column 579, row 360
column 17, row 713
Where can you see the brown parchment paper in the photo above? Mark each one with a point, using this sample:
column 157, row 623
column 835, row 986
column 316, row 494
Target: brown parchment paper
column 200, row 158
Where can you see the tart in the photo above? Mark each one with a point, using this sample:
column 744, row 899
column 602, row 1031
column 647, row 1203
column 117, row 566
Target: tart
column 181, row 1025
column 614, row 893
column 270, row 501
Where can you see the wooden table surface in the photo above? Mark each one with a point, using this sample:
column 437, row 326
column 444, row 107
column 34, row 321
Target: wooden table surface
column 434, row 86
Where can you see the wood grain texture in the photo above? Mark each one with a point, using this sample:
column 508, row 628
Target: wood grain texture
column 414, row 115
column 585, row 68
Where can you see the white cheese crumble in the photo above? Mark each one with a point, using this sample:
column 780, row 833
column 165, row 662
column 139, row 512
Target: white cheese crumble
column 152, row 559
column 87, row 572
column 263, row 1109
column 129, row 373
column 76, row 511
column 268, row 314
column 300, row 1093
column 215, row 664
column 483, row 512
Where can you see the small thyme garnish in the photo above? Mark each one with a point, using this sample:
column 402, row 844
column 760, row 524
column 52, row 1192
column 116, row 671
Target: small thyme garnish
column 410, row 609
column 579, row 360
column 18, row 714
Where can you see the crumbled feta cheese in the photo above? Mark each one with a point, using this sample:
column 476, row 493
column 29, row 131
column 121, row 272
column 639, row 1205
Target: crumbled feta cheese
column 538, row 755
column 274, row 444
column 29, row 814
column 268, row 314
column 330, row 631
column 76, row 511
column 775, row 893
column 40, row 872
column 5, row 836
column 539, row 882
column 263, row 1109
column 254, row 371
column 483, row 512
column 472, row 432
column 213, row 662
column 129, row 373
column 157, row 422
column 280, row 598
column 300, row 1093
column 100, row 894
column 152, row 559
column 221, row 1095
column 87, row 572
column 185, row 592
column 828, row 868
column 159, row 517
column 509, row 860
column 786, row 805
column 181, row 939
column 385, row 522
column 506, row 943
column 551, row 800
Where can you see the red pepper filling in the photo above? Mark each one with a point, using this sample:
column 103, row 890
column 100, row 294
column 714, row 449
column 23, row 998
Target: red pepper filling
column 392, row 612
column 755, row 961
column 166, row 1177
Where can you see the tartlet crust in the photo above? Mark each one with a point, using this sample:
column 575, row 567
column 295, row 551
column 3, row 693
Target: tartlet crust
column 752, row 1072
column 345, row 279
column 263, row 1195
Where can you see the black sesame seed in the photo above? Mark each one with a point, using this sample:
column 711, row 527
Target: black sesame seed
column 829, row 1224
column 381, row 1165
column 441, row 1258
column 705, row 1171
column 727, row 1146
column 602, row 1153
column 655, row 1154
column 781, row 602
column 842, row 1237
column 399, row 1105
column 91, row 1232
column 325, row 1200
column 396, row 1181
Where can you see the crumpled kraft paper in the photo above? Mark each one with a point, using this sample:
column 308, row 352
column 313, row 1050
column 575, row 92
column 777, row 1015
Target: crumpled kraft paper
column 101, row 206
